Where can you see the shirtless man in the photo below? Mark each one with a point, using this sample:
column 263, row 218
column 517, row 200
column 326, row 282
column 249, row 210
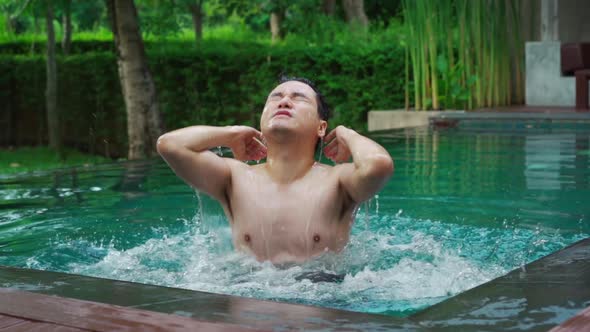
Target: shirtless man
column 290, row 208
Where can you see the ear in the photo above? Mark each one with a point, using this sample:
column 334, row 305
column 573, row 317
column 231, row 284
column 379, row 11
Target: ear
column 322, row 128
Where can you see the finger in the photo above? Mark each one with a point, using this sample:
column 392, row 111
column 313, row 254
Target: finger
column 331, row 135
column 259, row 152
column 252, row 147
column 345, row 156
column 259, row 140
column 256, row 146
column 251, row 144
column 338, row 158
column 331, row 151
column 258, row 135
column 262, row 155
column 330, row 146
column 342, row 157
column 253, row 141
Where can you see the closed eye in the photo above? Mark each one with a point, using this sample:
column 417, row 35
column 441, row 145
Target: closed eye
column 300, row 96
column 295, row 96
column 275, row 96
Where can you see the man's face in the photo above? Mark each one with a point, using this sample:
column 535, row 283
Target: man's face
column 291, row 106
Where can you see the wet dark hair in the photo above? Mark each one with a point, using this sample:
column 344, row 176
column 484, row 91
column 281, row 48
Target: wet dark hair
column 323, row 108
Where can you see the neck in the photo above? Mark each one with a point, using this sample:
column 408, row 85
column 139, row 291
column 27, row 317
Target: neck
column 288, row 161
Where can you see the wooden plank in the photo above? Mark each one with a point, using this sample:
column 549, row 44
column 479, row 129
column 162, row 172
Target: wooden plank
column 209, row 307
column 10, row 323
column 97, row 316
column 7, row 321
column 580, row 322
column 30, row 326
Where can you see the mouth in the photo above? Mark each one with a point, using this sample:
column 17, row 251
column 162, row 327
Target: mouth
column 282, row 112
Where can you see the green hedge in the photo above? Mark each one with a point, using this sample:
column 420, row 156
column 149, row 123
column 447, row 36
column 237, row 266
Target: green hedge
column 38, row 47
column 215, row 83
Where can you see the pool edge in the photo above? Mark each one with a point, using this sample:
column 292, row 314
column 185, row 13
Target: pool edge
column 539, row 296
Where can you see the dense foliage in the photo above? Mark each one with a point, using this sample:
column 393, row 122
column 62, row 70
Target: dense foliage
column 214, row 83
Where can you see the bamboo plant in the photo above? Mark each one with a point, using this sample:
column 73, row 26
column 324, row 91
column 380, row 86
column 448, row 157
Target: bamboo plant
column 464, row 54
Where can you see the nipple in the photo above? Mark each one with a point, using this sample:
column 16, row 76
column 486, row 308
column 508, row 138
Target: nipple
column 247, row 237
column 316, row 238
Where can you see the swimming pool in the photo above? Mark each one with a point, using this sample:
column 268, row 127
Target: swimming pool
column 462, row 208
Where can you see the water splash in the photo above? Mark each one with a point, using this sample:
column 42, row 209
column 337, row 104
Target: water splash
column 401, row 267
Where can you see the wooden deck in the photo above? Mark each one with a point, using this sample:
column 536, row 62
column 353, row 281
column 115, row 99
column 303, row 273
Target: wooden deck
column 222, row 311
column 543, row 294
column 578, row 323
column 25, row 311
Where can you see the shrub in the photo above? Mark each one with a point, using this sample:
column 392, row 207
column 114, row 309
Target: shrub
column 214, row 83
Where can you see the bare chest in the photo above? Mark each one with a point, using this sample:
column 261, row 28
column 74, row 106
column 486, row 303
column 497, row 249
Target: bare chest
column 288, row 222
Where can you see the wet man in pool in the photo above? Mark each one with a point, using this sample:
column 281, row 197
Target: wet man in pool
column 290, row 208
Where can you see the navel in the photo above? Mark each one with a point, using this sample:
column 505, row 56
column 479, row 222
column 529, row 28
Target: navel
column 316, row 238
column 247, row 238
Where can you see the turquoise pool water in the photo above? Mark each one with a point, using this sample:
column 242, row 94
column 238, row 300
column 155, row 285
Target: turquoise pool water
column 462, row 208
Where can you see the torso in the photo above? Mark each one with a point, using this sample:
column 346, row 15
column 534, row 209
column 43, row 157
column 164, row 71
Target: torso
column 288, row 222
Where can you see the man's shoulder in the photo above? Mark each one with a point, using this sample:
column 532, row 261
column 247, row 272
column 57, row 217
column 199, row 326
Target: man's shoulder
column 337, row 170
column 237, row 166
column 338, row 167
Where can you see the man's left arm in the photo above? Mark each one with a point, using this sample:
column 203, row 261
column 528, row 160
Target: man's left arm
column 371, row 165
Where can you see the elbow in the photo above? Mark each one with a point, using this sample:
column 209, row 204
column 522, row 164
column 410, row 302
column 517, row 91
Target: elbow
column 384, row 166
column 380, row 166
column 164, row 144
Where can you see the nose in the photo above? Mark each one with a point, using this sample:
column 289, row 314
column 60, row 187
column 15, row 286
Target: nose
column 285, row 102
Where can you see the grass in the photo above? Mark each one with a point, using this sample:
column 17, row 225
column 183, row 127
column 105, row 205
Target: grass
column 29, row 159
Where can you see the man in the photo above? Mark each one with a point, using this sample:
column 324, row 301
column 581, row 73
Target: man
column 290, row 208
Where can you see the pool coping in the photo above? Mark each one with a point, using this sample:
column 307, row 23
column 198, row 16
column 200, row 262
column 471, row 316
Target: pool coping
column 241, row 312
column 565, row 275
column 382, row 120
column 536, row 297
column 26, row 311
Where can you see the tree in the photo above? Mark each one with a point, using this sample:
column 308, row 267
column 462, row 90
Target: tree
column 144, row 124
column 51, row 88
column 355, row 12
column 275, row 25
column 277, row 15
column 66, row 40
column 329, row 7
column 196, row 9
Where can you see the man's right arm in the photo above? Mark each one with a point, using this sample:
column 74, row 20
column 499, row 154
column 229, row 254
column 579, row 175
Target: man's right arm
column 187, row 152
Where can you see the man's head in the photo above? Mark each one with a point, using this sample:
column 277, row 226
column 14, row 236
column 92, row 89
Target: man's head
column 323, row 108
column 295, row 106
